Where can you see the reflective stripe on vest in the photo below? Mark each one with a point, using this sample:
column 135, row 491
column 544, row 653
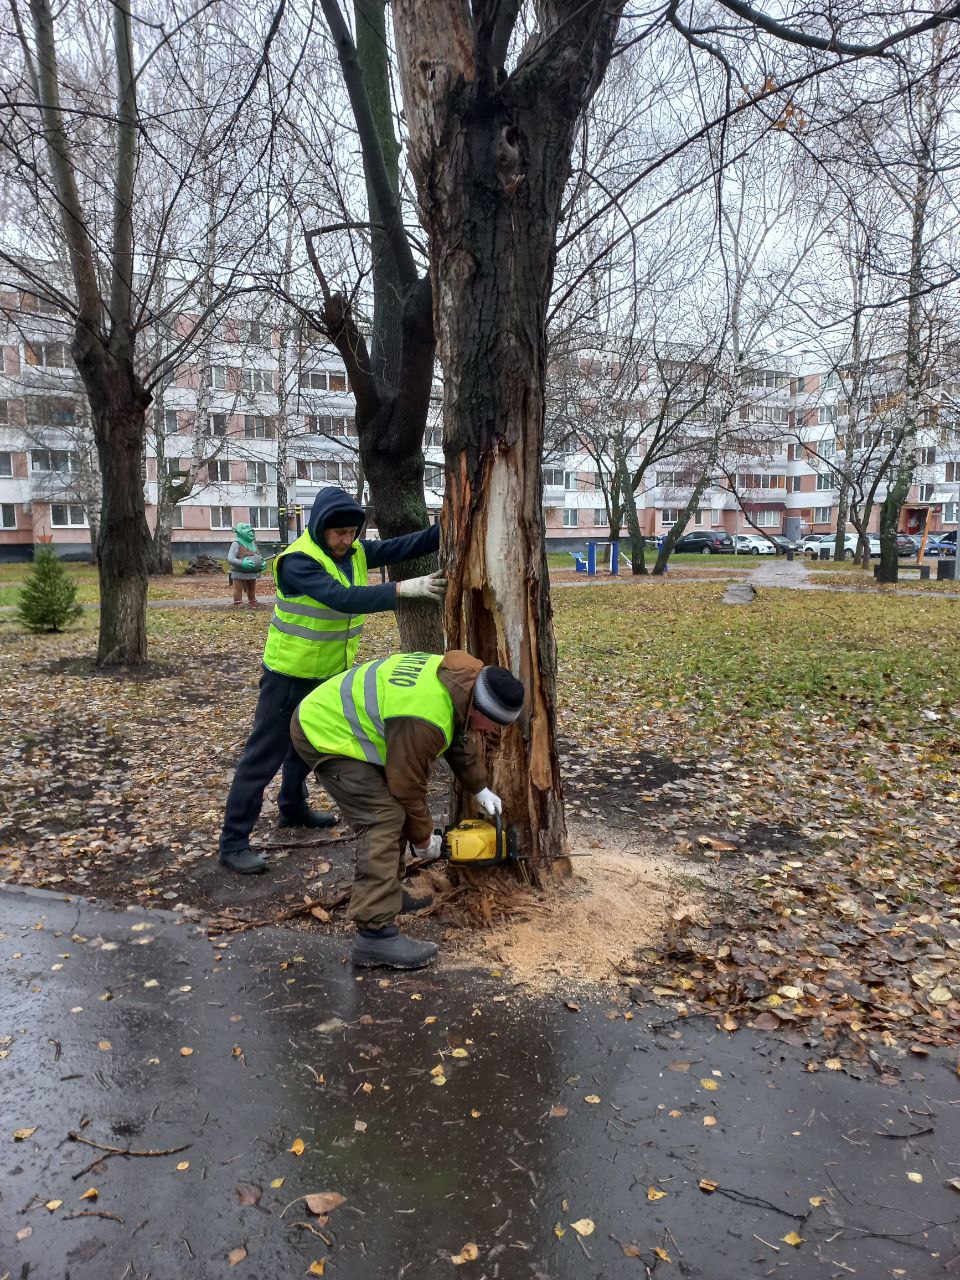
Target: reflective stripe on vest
column 347, row 715
column 308, row 639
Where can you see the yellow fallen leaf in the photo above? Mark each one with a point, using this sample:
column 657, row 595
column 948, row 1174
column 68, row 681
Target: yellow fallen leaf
column 674, row 1115
column 833, row 1064
column 316, row 1268
column 939, row 995
column 367, row 1087
column 277, row 1182
column 438, row 1070
column 184, row 1164
column 654, row 1193
column 91, row 1194
column 186, row 1051
column 459, row 1053
column 429, row 1021
column 816, row 1201
column 416, row 996
column 662, row 1254
column 559, row 1231
column 470, row 1252
column 236, row 1256
column 792, row 1238
column 729, row 1024
column 584, row 1226
column 104, row 1046
column 54, row 1204
column 439, row 1080
column 592, row 1098
column 475, row 1113
column 706, row 1185
column 709, row 1121
column 557, row 1112
column 297, row 1147
column 324, row 1202
column 21, row 1135
column 150, row 983
column 915, row 1177
column 709, row 1084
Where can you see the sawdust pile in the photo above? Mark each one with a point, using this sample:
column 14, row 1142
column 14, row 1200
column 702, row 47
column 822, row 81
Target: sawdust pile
column 623, row 896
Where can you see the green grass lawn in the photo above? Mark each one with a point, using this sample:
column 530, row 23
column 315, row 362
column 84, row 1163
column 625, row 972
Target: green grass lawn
column 88, row 587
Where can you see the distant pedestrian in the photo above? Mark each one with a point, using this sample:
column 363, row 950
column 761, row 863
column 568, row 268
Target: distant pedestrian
column 246, row 565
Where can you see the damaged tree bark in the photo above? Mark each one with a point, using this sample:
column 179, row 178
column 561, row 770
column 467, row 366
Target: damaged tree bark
column 490, row 154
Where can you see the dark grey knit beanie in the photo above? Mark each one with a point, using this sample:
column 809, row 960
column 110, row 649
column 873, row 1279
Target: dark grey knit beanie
column 498, row 695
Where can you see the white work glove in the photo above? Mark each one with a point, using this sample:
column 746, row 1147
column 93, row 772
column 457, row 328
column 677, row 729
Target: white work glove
column 430, row 851
column 430, row 587
column 489, row 802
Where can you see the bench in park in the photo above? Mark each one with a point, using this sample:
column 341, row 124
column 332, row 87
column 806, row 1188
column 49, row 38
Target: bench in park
column 921, row 570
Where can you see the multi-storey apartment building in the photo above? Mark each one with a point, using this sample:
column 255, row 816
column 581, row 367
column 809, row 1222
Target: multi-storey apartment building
column 788, row 439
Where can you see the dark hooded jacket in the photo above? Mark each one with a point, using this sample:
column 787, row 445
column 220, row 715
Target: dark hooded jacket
column 299, row 575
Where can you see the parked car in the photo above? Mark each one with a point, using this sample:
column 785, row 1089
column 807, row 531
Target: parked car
column 950, row 537
column 705, row 543
column 785, row 544
column 850, row 540
column 753, row 544
column 937, row 546
column 811, row 543
column 908, row 546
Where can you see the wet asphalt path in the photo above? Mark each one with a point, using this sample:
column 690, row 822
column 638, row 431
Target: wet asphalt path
column 287, row 1043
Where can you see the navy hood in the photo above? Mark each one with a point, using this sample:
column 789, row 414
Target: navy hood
column 334, row 502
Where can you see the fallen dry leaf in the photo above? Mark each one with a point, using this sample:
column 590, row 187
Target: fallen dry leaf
column 21, row 1135
column 816, row 1201
column 317, row 1268
column 709, row 1084
column 632, row 1251
column 297, row 1147
column 236, row 1256
column 91, row 1194
column 186, row 1051
column 277, row 1182
column 709, row 1121
column 184, row 1164
column 558, row 1112
column 324, row 1201
column 654, row 1193
column 247, row 1194
column 24, row 1232
column 592, row 1098
column 662, row 1254
column 915, row 1177
column 584, row 1226
column 706, row 1185
column 792, row 1238
column 54, row 1204
column 104, row 1046
column 476, row 1114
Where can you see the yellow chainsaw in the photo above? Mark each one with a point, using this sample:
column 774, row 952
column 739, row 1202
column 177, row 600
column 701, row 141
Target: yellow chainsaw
column 474, row 842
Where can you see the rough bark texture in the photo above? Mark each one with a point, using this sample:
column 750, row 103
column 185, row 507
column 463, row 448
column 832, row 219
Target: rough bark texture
column 490, row 156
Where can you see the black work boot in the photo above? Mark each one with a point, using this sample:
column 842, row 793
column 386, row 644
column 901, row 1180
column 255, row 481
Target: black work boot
column 415, row 902
column 390, row 949
column 308, row 818
column 245, row 861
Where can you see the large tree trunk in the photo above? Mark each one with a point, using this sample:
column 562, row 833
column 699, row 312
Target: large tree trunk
column 490, row 156
column 118, row 403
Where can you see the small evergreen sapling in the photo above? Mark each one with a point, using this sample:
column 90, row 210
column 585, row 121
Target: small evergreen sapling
column 48, row 597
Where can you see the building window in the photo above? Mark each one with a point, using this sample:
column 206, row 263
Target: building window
column 756, row 480
column 793, row 452
column 4, row 413
column 822, row 515
column 8, row 515
column 824, row 480
column 825, row 414
column 256, row 380
column 253, row 331
column 600, row 518
column 318, row 472
column 170, row 421
column 951, row 472
column 44, row 411
column 795, row 484
column 51, row 355
column 59, row 460
column 570, row 481
column 433, row 477
column 433, row 438
column 217, row 377
column 668, row 517
column 171, row 467
column 218, row 471
column 264, row 517
column 338, row 381
column 177, row 517
column 6, row 463
column 698, row 517
column 259, row 473
column 256, row 427
column 801, row 385
column 63, row 516
column 926, row 457
column 553, row 477
column 766, row 519
column 571, row 518
column 313, row 381
column 221, row 517
column 217, row 424
column 950, row 513
column 926, row 492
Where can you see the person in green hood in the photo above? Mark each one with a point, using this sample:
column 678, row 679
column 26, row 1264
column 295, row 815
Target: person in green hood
column 246, row 565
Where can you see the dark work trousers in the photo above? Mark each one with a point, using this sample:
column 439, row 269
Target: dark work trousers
column 268, row 748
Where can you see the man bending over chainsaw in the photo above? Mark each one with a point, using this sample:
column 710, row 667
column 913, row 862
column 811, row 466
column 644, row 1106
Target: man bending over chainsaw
column 372, row 735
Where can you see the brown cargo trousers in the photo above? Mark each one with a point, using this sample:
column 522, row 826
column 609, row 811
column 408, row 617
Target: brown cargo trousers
column 361, row 792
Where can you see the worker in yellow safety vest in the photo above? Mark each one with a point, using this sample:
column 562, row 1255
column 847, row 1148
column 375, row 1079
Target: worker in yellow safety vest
column 372, row 735
column 322, row 600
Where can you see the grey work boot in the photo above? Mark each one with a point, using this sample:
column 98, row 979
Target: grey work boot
column 390, row 949
column 245, row 861
column 415, row 902
column 310, row 818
